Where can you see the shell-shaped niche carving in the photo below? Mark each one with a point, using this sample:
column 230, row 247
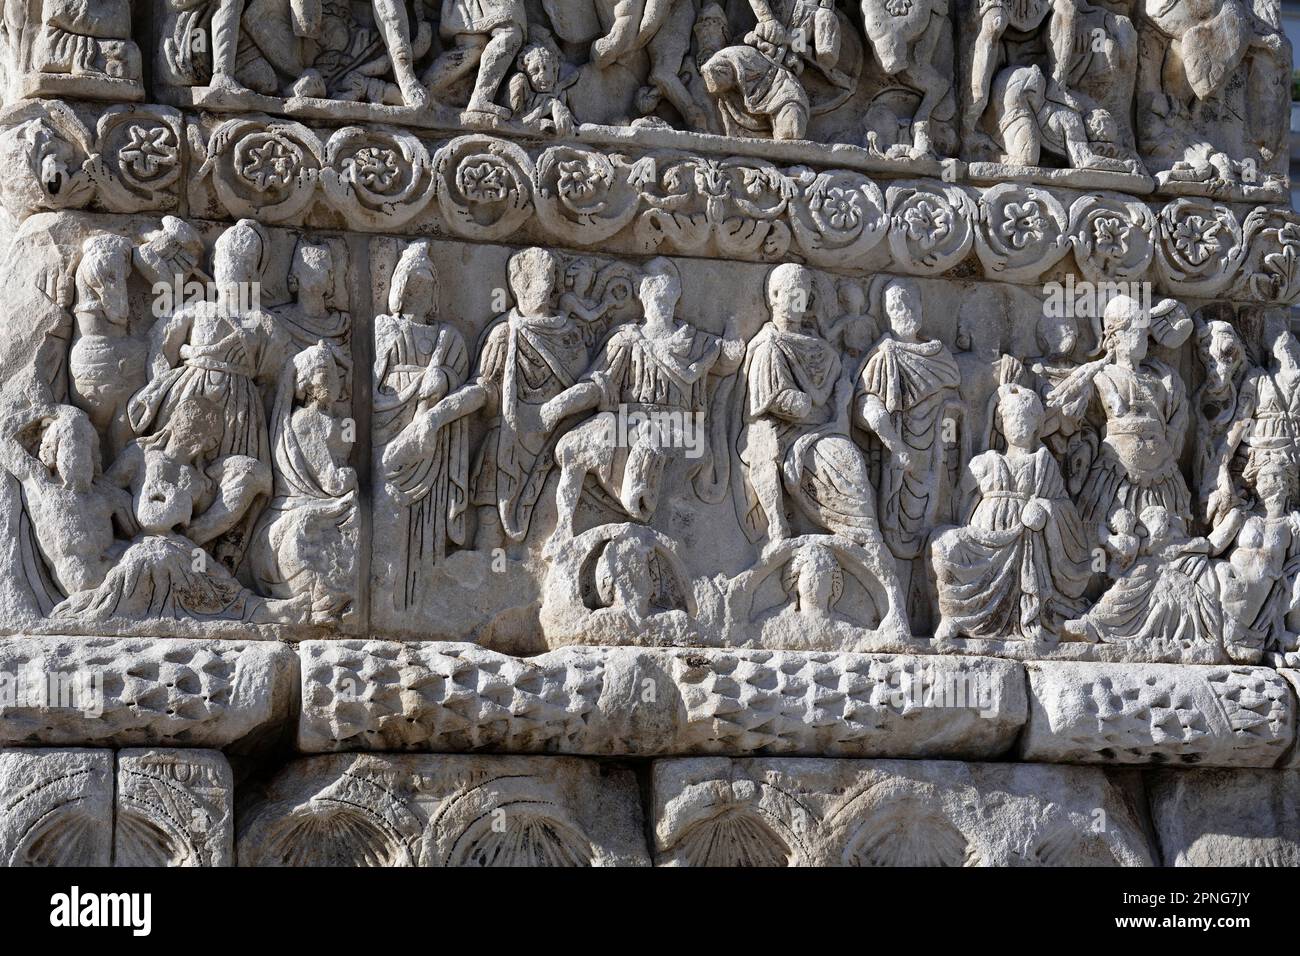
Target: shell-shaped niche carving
column 1069, row 846
column 139, row 841
column 330, row 834
column 60, row 838
column 738, row 836
column 908, row 834
column 506, row 821
column 528, row 840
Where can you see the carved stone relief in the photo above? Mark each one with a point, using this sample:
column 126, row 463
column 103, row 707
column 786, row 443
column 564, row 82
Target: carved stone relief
column 445, row 376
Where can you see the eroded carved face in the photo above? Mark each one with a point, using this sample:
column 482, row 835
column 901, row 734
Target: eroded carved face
column 789, row 295
column 1057, row 335
column 164, row 501
column 1021, row 414
column 312, row 271
column 319, row 379
column 1276, row 489
column 532, row 280
column 659, row 290
column 68, row 450
column 903, row 307
column 1224, row 355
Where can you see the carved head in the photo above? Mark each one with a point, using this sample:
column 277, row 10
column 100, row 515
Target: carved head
column 660, row 288
column 1162, row 526
column 853, row 298
column 102, row 275
column 1057, row 335
column 903, row 308
column 539, row 63
column 712, row 31
column 532, row 275
column 317, row 375
column 1021, row 412
column 239, row 258
column 1280, row 339
column 70, row 449
column 816, row 580
column 1126, row 326
column 414, row 290
column 1275, row 481
column 789, row 295
column 311, row 273
column 1221, row 352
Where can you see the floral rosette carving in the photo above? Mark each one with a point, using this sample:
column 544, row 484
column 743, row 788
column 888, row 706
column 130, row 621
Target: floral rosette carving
column 1022, row 232
column 484, row 186
column 838, row 216
column 1112, row 236
column 263, row 168
column 931, row 226
column 729, row 207
column 378, row 178
column 1271, row 272
column 584, row 197
column 1200, row 247
column 139, row 158
column 47, row 156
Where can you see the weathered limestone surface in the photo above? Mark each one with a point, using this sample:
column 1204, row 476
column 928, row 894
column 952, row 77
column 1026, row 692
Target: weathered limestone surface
column 712, row 811
column 1158, row 713
column 130, row 808
column 432, row 696
column 435, row 810
column 795, row 385
column 1227, row 818
column 57, row 807
column 124, row 692
column 174, row 808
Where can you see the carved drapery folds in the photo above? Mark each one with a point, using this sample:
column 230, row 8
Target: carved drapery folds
column 787, row 325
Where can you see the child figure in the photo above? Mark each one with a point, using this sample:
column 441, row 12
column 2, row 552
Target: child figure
column 537, row 95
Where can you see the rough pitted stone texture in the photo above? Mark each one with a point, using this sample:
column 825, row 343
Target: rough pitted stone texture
column 1158, row 713
column 174, row 808
column 56, row 807
column 435, row 810
column 429, row 696
column 1227, row 817
column 643, row 378
column 164, row 693
column 712, row 811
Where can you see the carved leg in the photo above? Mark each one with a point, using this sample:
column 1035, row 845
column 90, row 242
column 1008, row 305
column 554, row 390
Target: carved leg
column 225, row 44
column 984, row 62
column 455, row 64
column 620, row 37
column 934, row 86
column 390, row 15
column 668, row 50
column 497, row 59
column 791, row 122
column 573, row 472
column 765, row 476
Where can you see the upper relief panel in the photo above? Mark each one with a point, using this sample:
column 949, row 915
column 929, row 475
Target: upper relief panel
column 1094, row 95
column 70, row 48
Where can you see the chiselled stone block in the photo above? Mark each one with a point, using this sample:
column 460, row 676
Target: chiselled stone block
column 127, row 692
column 1157, row 713
column 713, row 811
column 431, row 810
column 377, row 695
column 174, row 808
column 56, row 807
column 1227, row 817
